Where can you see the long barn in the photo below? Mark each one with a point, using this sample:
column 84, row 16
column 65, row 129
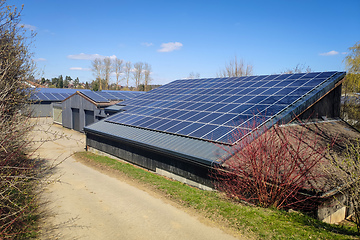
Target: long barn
column 176, row 129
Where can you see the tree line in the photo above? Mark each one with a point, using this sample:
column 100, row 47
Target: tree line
column 61, row 82
column 104, row 68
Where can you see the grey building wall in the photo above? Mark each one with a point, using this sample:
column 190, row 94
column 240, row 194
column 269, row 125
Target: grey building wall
column 151, row 160
column 41, row 109
column 85, row 107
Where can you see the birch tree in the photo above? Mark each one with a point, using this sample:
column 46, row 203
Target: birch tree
column 107, row 69
column 138, row 73
column 147, row 77
column 96, row 67
column 118, row 70
column 127, row 72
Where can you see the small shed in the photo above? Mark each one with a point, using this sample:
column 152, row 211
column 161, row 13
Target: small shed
column 86, row 107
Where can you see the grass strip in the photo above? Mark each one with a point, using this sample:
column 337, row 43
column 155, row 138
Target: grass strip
column 254, row 221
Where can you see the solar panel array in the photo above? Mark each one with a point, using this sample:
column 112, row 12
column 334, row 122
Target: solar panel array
column 108, row 95
column 213, row 109
column 51, row 94
column 59, row 94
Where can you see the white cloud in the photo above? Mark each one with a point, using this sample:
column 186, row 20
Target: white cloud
column 39, row 59
column 146, row 44
column 331, row 53
column 28, row 26
column 344, row 53
column 169, row 47
column 83, row 56
column 80, row 69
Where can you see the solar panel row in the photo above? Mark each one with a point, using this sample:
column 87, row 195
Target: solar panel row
column 59, row 94
column 214, row 109
column 106, row 96
column 38, row 96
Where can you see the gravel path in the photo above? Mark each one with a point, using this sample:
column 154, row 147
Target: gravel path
column 88, row 204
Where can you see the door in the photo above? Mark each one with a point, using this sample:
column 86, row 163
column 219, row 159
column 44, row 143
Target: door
column 75, row 119
column 89, row 117
column 57, row 114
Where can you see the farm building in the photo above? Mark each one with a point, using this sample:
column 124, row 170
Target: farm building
column 183, row 128
column 87, row 107
column 44, row 99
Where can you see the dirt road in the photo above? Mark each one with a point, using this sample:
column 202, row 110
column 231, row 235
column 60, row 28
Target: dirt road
column 87, row 204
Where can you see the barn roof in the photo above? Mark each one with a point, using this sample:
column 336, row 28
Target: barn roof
column 52, row 94
column 60, row 94
column 192, row 117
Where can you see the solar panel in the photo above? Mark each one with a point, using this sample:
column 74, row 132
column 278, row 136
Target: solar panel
column 212, row 109
column 110, row 95
column 95, row 96
column 52, row 94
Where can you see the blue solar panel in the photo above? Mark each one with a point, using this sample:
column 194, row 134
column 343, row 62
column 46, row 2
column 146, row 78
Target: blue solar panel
column 213, row 109
column 52, row 94
column 59, row 94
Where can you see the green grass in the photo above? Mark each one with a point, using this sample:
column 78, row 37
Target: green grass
column 255, row 221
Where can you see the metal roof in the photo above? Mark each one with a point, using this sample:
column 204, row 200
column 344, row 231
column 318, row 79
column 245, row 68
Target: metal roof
column 214, row 109
column 191, row 149
column 199, row 150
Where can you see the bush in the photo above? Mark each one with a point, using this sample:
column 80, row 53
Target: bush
column 17, row 171
column 348, row 175
column 277, row 169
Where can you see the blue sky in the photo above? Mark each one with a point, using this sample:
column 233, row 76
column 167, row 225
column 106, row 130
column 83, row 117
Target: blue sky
column 180, row 37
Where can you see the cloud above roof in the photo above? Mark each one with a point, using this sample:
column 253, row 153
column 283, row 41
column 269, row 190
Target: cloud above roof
column 169, row 47
column 80, row 69
column 331, row 53
column 83, row 56
column 146, row 44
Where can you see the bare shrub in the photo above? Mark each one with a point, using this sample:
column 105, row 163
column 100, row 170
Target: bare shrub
column 17, row 170
column 348, row 176
column 277, row 169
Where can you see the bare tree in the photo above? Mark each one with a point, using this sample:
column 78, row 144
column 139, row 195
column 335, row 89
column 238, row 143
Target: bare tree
column 193, row 75
column 147, row 78
column 127, row 71
column 299, row 68
column 236, row 68
column 138, row 73
column 96, row 67
column 107, row 68
column 118, row 69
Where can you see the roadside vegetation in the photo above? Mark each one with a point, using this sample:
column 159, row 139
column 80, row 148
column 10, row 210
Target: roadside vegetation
column 18, row 171
column 250, row 221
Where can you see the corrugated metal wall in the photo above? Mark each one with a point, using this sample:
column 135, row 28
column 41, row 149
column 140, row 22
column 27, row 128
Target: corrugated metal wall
column 150, row 159
column 41, row 109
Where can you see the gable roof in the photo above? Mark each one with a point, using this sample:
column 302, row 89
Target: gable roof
column 60, row 94
column 207, row 112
